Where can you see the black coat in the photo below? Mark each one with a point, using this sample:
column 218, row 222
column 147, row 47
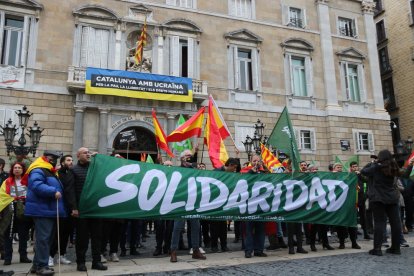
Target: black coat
column 68, row 181
column 383, row 188
column 80, row 172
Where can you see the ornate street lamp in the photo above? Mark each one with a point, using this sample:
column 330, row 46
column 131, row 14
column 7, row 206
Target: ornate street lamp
column 9, row 132
column 259, row 128
column 256, row 143
column 248, row 143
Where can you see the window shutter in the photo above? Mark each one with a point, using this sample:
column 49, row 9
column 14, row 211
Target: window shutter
column 1, row 30
column 190, row 53
column 309, row 76
column 252, row 8
column 371, row 142
column 230, row 66
column 91, row 47
column 346, row 78
column 313, row 140
column 84, row 47
column 298, row 138
column 236, row 68
column 166, row 56
column 285, row 15
column 104, row 48
column 292, row 84
column 174, row 56
column 361, row 83
column 356, row 138
column 25, row 43
column 194, row 4
column 2, row 117
column 232, row 7
column 98, row 47
column 304, row 19
column 255, row 70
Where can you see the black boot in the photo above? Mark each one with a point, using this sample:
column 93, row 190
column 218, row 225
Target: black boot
column 282, row 243
column 273, row 242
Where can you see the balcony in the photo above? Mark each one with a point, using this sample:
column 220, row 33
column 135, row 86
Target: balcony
column 77, row 76
column 295, row 22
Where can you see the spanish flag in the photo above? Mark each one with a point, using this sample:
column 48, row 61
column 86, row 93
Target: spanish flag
column 221, row 124
column 269, row 160
column 189, row 129
column 5, row 198
column 214, row 137
column 141, row 43
column 160, row 135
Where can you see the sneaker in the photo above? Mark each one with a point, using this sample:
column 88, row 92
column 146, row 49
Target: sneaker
column 114, row 257
column 329, row 234
column 103, row 259
column 202, row 251
column 64, row 260
column 51, row 262
column 191, row 251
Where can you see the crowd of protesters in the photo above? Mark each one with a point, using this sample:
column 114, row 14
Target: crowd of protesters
column 34, row 195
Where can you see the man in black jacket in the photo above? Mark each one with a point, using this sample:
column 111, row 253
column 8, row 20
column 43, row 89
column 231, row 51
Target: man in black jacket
column 86, row 227
column 67, row 179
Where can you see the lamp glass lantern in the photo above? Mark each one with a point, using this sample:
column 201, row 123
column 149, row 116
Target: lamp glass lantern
column 24, row 116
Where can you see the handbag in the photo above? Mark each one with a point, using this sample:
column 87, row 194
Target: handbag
column 18, row 205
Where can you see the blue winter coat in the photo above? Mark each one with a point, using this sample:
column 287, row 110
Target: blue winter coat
column 40, row 199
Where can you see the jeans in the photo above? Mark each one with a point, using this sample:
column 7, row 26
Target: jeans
column 44, row 237
column 195, row 233
column 255, row 236
column 380, row 212
column 279, row 230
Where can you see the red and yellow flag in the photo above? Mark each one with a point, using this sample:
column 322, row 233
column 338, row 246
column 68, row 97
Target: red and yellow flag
column 160, row 137
column 189, row 129
column 141, row 43
column 218, row 118
column 213, row 136
column 269, row 160
column 5, row 198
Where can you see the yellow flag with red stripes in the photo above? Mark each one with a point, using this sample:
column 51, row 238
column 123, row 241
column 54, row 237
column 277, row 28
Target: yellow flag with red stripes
column 269, row 160
column 141, row 43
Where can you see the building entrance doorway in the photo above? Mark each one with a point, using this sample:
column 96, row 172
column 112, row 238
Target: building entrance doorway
column 139, row 147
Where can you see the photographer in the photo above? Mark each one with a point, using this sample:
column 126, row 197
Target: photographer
column 383, row 199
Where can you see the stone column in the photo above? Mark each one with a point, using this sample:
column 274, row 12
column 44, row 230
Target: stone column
column 78, row 129
column 370, row 33
column 331, row 92
column 103, row 130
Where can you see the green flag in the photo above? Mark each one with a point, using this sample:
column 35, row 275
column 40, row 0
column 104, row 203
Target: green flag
column 149, row 159
column 283, row 138
column 353, row 158
column 127, row 189
column 338, row 160
column 183, row 145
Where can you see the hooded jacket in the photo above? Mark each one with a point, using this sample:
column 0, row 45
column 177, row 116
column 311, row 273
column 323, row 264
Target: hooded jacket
column 43, row 185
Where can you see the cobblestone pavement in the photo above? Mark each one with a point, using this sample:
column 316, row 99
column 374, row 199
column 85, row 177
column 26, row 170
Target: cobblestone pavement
column 323, row 262
column 347, row 264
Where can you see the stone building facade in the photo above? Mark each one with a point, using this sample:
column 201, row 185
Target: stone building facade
column 319, row 58
column 395, row 37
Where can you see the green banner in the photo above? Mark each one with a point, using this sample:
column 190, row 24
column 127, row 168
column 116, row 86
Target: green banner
column 120, row 188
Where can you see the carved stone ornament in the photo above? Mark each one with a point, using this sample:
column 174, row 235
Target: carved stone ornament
column 368, row 7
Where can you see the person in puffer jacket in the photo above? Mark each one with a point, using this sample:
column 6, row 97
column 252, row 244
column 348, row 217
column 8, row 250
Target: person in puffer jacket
column 43, row 202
